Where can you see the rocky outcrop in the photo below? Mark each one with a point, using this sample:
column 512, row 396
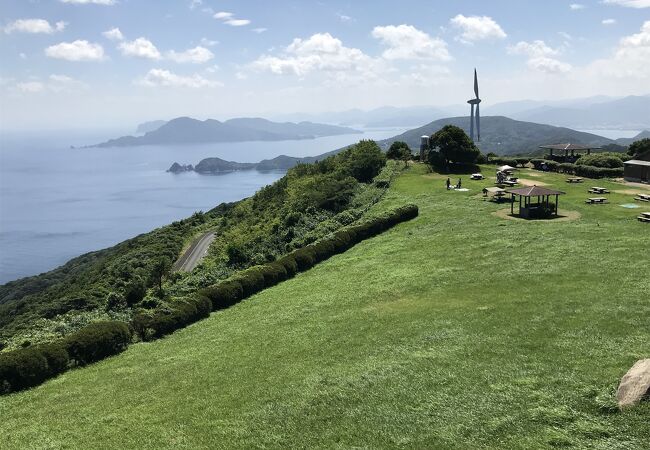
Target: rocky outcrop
column 635, row 384
column 179, row 168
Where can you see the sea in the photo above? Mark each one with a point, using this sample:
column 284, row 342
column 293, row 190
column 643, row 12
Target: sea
column 58, row 202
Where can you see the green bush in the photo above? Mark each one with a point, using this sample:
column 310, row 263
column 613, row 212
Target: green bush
column 273, row 273
column 224, row 294
column 96, row 341
column 305, row 258
column 27, row 367
column 605, row 159
column 251, row 280
column 289, row 264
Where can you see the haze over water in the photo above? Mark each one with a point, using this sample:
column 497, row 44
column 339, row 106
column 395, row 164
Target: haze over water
column 57, row 203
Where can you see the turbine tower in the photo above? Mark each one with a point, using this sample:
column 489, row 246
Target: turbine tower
column 475, row 118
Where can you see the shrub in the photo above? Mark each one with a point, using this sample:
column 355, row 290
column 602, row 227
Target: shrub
column 289, row 264
column 224, row 294
column 96, row 341
column 305, row 258
column 273, row 273
column 607, row 160
column 251, row 280
column 22, row 369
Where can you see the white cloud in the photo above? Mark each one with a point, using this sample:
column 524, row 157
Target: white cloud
column 477, row 28
column 533, row 49
column 407, row 42
column 140, row 48
column 608, row 21
column 208, row 43
column 539, row 56
column 64, row 83
column 114, row 34
column 548, row 65
column 260, row 30
column 630, row 60
column 321, row 52
column 161, row 77
column 237, row 22
column 196, row 55
column 79, row 50
column 576, row 6
column 345, row 18
column 629, row 3
column 34, row 26
column 30, row 87
column 223, row 15
column 195, row 3
column 229, row 19
column 22, row 55
column 89, row 2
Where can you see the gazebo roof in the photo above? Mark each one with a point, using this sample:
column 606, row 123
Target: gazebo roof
column 533, row 191
column 569, row 147
column 504, row 168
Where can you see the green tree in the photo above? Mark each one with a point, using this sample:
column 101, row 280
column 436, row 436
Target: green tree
column 398, row 150
column 452, row 145
column 362, row 161
column 160, row 269
column 638, row 147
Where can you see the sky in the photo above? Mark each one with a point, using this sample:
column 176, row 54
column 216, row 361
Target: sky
column 72, row 64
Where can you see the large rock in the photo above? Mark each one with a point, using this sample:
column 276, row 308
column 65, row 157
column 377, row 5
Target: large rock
column 635, row 384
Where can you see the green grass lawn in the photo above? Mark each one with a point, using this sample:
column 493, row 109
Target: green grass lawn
column 458, row 329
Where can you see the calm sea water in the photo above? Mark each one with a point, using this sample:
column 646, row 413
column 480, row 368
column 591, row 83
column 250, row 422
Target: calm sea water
column 57, row 203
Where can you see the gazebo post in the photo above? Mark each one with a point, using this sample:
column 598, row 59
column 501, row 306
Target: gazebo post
column 557, row 199
column 512, row 203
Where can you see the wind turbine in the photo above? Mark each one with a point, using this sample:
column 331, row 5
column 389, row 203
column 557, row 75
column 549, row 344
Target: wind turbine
column 475, row 101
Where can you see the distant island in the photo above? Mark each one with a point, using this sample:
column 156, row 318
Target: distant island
column 185, row 130
column 214, row 166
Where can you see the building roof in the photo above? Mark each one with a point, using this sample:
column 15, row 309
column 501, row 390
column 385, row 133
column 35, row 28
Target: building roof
column 569, row 147
column 533, row 191
column 637, row 162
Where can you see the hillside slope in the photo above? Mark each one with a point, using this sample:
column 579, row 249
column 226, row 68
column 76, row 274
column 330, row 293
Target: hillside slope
column 456, row 330
column 504, row 136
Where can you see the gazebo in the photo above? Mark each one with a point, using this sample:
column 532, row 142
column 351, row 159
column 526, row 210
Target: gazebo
column 569, row 150
column 528, row 209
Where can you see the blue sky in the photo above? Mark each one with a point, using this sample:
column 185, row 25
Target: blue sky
column 82, row 63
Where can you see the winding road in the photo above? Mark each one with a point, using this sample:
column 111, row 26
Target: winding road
column 193, row 255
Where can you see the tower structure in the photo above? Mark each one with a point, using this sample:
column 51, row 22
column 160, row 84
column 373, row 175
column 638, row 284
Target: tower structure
column 475, row 115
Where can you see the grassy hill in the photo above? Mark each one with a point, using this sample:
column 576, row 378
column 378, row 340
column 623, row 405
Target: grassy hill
column 504, row 136
column 458, row 329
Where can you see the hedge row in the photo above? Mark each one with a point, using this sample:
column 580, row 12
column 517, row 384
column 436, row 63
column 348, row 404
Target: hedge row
column 27, row 367
column 252, row 280
column 509, row 161
column 578, row 169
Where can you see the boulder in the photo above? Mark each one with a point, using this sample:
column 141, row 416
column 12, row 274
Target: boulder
column 634, row 385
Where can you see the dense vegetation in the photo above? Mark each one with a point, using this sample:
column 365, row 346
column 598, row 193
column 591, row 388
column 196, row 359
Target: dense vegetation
column 459, row 329
column 309, row 202
column 605, row 159
column 639, row 147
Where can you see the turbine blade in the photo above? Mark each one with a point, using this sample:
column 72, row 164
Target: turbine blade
column 478, row 123
column 475, row 83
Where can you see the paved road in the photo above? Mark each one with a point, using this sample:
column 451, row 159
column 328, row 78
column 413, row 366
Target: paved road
column 193, row 256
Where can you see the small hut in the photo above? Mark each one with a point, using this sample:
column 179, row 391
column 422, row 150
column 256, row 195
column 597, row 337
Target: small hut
column 535, row 202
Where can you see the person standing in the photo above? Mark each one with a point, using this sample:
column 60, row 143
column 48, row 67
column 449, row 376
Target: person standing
column 459, row 184
column 448, row 183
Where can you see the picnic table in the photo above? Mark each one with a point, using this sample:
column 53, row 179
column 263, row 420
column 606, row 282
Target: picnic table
column 598, row 190
column 508, row 182
column 644, row 217
column 643, row 197
column 574, row 180
column 596, row 200
column 477, row 176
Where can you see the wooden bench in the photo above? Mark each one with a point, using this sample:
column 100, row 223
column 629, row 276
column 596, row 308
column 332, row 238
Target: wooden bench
column 598, row 190
column 596, row 201
column 644, row 217
column 574, row 180
column 642, row 198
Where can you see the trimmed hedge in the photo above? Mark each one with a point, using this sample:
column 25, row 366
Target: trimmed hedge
column 578, row 169
column 164, row 321
column 96, row 341
column 245, row 283
column 28, row 367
